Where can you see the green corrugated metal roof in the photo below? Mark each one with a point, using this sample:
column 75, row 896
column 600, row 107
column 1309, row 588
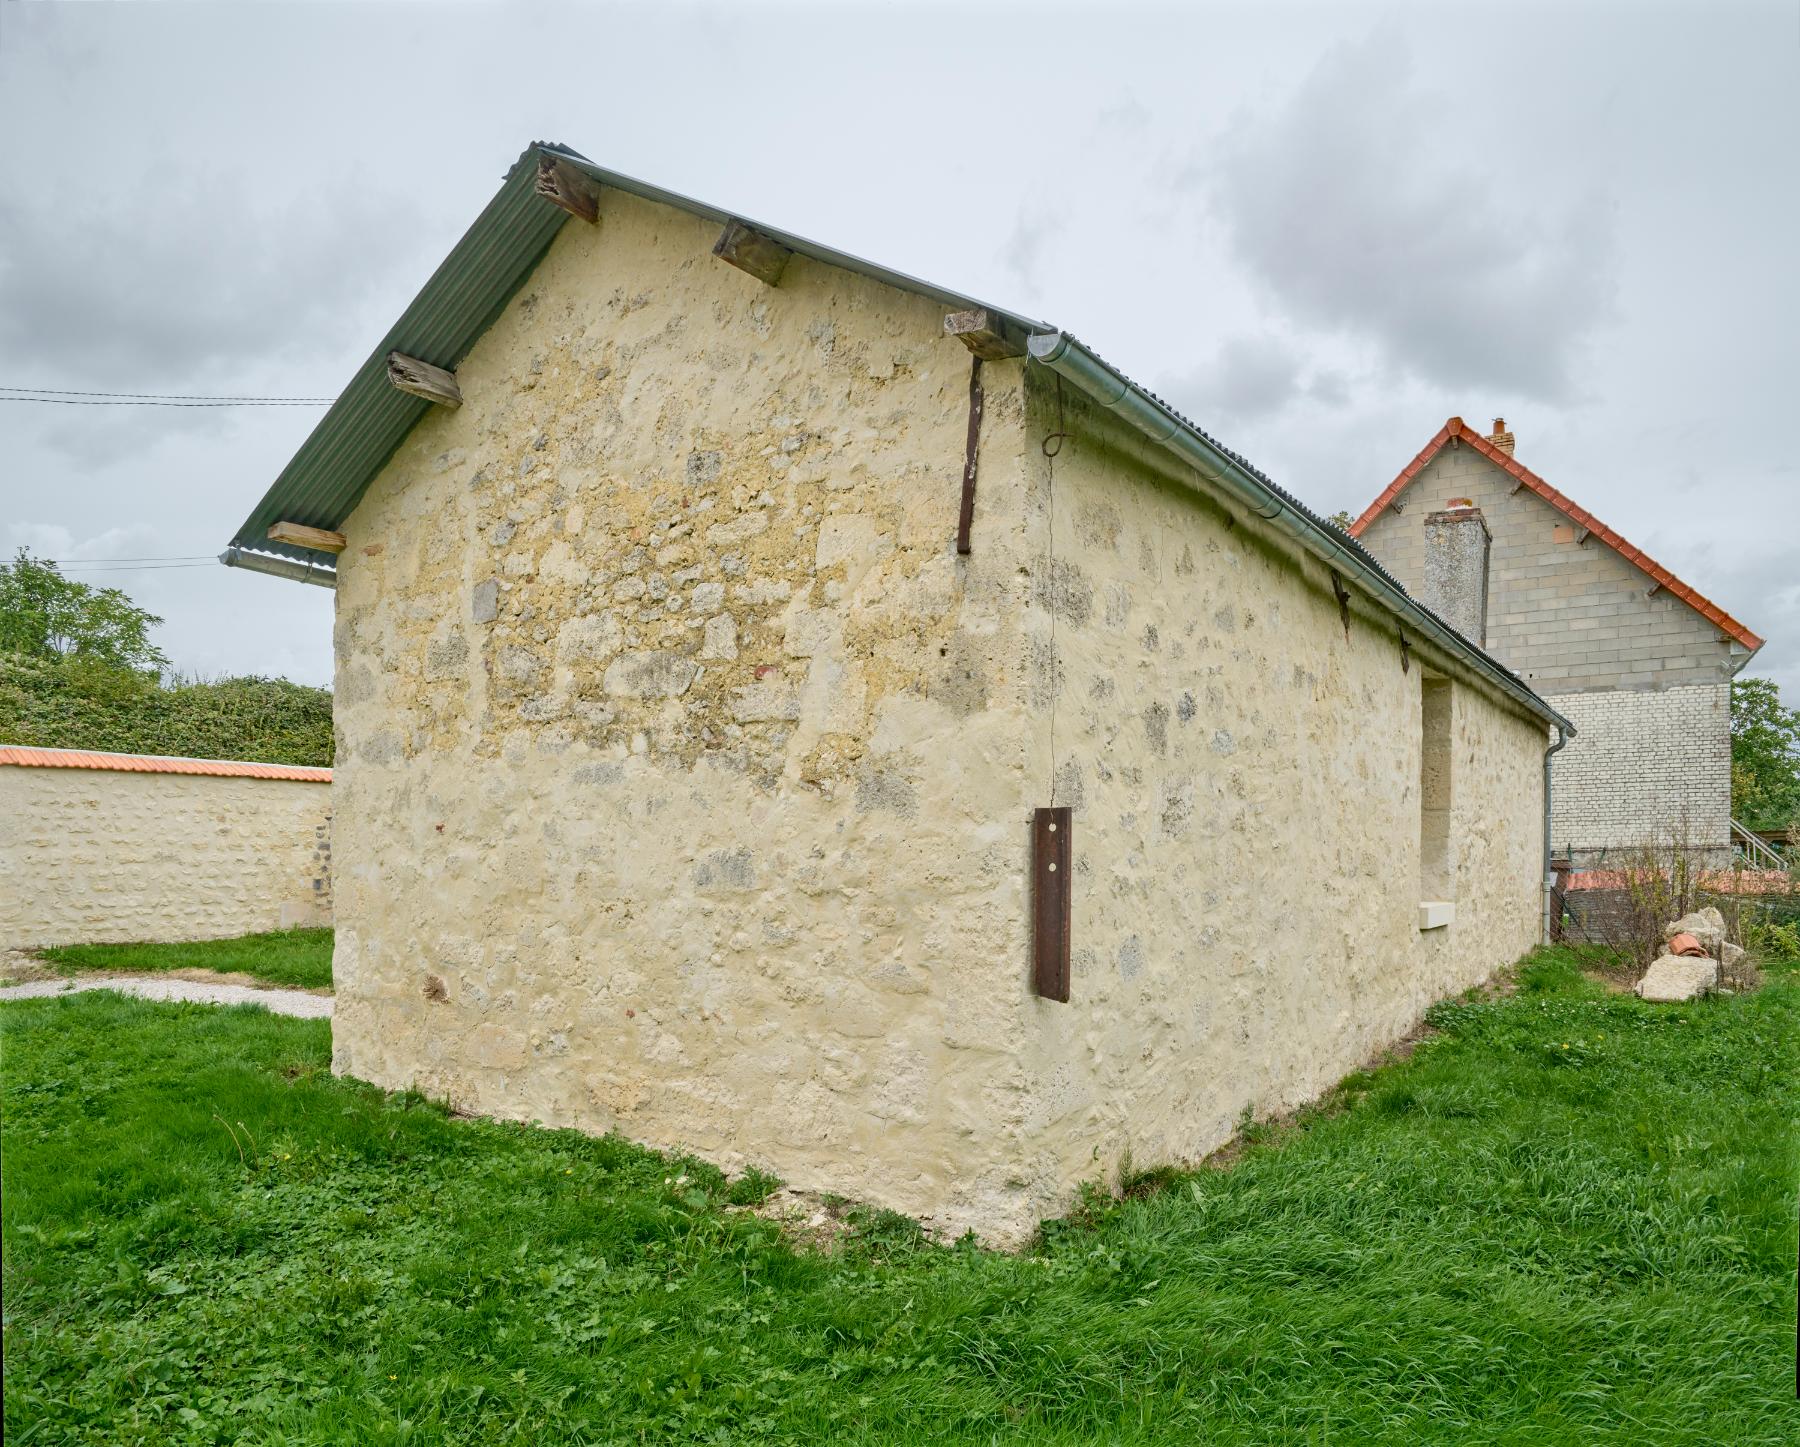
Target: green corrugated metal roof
column 370, row 419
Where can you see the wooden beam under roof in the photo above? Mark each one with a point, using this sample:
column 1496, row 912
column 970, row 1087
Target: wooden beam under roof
column 749, row 250
column 321, row 540
column 984, row 334
column 422, row 379
column 564, row 184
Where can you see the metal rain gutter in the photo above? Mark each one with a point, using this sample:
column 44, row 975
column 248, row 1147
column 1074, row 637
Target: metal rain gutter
column 1070, row 359
column 1562, row 739
column 236, row 557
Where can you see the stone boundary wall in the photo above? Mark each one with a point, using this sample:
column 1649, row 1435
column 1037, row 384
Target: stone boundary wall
column 94, row 855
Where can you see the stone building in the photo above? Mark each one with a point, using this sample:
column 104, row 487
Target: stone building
column 1641, row 661
column 796, row 713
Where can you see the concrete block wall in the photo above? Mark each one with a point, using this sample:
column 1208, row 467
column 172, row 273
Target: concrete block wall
column 1644, row 767
column 1568, row 616
column 1645, row 678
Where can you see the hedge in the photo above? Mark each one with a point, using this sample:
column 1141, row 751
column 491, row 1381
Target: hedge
column 81, row 705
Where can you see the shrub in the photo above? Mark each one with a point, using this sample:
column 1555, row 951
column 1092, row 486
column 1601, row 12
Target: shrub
column 83, row 703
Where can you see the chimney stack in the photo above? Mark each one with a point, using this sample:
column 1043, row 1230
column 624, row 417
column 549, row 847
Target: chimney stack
column 1456, row 567
column 1500, row 437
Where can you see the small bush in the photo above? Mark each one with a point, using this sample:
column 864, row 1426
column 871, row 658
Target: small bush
column 80, row 703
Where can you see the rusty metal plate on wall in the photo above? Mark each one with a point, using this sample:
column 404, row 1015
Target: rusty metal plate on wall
column 1051, row 855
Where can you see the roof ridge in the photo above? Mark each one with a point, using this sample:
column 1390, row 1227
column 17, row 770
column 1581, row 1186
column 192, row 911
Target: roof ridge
column 1455, row 429
column 32, row 756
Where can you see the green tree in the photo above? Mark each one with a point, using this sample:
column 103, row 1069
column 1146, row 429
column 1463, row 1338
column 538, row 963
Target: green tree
column 47, row 616
column 1765, row 756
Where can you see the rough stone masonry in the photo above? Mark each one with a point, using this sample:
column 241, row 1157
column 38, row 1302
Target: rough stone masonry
column 685, row 771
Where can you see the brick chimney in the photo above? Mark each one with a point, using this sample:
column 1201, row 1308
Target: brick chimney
column 1456, row 567
column 1500, row 437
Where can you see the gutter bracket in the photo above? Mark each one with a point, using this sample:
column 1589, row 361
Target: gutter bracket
column 965, row 518
column 1342, row 595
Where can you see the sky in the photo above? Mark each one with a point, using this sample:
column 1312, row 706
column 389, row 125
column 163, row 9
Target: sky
column 1320, row 230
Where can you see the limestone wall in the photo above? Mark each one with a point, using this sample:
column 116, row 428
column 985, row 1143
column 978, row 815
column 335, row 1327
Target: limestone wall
column 1246, row 785
column 685, row 771
column 97, row 855
column 675, row 740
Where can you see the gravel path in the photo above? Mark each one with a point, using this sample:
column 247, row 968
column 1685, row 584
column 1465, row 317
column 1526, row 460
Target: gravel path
column 281, row 1002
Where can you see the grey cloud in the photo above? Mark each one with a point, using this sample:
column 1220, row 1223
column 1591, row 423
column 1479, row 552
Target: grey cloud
column 1345, row 204
column 1036, row 226
column 1252, row 377
column 178, row 276
column 94, row 436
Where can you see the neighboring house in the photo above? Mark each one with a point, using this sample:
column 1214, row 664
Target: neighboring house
column 1640, row 660
column 98, row 847
column 783, row 721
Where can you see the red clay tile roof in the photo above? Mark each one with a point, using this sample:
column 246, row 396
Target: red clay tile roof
column 156, row 764
column 1456, row 428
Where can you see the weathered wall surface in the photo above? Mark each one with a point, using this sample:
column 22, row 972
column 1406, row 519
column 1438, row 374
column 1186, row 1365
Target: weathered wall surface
column 685, row 772
column 1568, row 616
column 96, row 855
column 1246, row 784
column 675, row 740
column 1645, row 767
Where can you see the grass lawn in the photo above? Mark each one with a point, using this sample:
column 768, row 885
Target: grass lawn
column 297, row 957
column 1568, row 1217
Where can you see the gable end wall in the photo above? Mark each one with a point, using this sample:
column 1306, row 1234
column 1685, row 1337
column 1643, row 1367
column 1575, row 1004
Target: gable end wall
column 1645, row 679
column 1567, row 616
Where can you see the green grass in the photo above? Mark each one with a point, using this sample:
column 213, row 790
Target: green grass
column 297, row 957
column 1568, row 1217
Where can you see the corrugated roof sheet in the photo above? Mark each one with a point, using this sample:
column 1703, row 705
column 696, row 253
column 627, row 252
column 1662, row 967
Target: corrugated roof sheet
column 466, row 294
column 19, row 756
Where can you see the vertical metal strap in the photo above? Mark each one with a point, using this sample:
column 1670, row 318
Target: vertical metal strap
column 1052, row 854
column 965, row 519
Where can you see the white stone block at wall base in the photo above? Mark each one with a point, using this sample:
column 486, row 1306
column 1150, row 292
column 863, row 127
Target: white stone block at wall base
column 1435, row 914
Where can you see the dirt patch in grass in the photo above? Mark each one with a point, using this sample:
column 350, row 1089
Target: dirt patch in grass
column 811, row 1219
column 211, row 977
column 22, row 967
column 297, row 959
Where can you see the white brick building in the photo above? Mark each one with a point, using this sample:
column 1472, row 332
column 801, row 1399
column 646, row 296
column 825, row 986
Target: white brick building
column 1639, row 661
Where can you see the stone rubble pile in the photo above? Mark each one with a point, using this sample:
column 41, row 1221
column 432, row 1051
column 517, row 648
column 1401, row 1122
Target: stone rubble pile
column 1689, row 965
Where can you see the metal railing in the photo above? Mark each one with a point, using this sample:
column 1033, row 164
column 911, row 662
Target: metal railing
column 1755, row 851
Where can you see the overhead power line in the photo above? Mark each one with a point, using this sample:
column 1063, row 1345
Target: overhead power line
column 67, row 397
column 153, row 558
column 145, row 567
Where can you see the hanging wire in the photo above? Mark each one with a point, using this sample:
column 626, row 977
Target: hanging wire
column 144, row 567
column 155, row 558
column 1058, row 437
column 172, row 401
